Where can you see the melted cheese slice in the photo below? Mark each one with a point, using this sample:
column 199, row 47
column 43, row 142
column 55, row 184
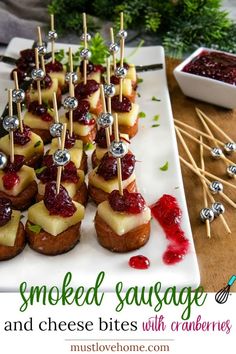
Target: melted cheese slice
column 129, row 118
column 76, row 152
column 71, row 188
column 35, row 122
column 121, row 223
column 26, row 175
column 107, row 186
column 33, row 147
column 8, row 232
column 47, row 94
column 53, row 224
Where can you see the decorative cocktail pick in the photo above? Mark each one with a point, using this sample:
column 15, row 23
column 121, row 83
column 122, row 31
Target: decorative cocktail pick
column 56, row 127
column 113, row 48
column 121, row 71
column 85, row 53
column 18, row 96
column 109, row 88
column 118, row 149
column 105, row 119
column 52, row 36
column 230, row 146
column 38, row 75
column 3, row 160
column 61, row 157
column 10, row 124
column 41, row 48
column 71, row 72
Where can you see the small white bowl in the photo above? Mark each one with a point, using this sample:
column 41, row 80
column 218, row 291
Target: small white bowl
column 204, row 88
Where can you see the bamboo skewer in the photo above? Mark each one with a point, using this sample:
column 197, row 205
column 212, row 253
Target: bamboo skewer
column 18, row 105
column 122, row 47
column 223, row 157
column 200, row 113
column 114, row 54
column 195, row 168
column 85, row 46
column 60, row 168
column 72, row 94
column 56, row 116
column 52, row 40
column 107, row 130
column 208, row 227
column 119, row 170
column 41, row 43
column 108, row 82
column 11, row 134
column 199, row 132
column 38, row 82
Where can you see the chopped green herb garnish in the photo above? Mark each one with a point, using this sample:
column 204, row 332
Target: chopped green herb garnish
column 139, row 80
column 142, row 115
column 37, row 144
column 156, row 117
column 39, row 170
column 89, row 146
column 155, row 99
column 155, row 125
column 138, row 94
column 34, row 228
column 165, row 166
column 177, row 187
column 21, row 217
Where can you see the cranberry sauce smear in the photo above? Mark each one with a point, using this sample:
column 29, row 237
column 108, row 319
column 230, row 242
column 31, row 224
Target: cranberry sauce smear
column 131, row 203
column 58, row 204
column 83, row 91
column 5, row 211
column 46, row 83
column 10, row 180
column 167, row 212
column 124, row 106
column 54, row 67
column 108, row 166
column 139, row 262
column 15, row 166
column 22, row 138
column 215, row 65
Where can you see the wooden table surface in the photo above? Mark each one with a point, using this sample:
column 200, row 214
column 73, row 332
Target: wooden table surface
column 217, row 255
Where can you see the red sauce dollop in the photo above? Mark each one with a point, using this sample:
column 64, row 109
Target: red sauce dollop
column 83, row 91
column 215, row 65
column 139, row 262
column 131, row 203
column 124, row 106
column 10, row 179
column 54, row 67
column 108, row 166
column 167, row 212
column 58, row 204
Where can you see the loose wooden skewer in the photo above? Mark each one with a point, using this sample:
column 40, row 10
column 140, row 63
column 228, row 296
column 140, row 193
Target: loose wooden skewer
column 122, row 47
column 114, row 54
column 60, row 168
column 119, row 170
column 211, row 134
column 18, row 105
column 11, row 136
column 52, row 40
column 85, row 46
column 195, row 169
column 223, row 157
column 56, row 116
column 41, row 43
column 199, row 112
column 38, row 82
column 198, row 131
column 107, row 130
column 208, row 227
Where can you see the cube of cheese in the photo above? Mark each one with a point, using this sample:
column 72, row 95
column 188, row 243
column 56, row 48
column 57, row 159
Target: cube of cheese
column 47, row 93
column 38, row 214
column 129, row 118
column 122, row 223
column 26, row 175
column 100, row 152
column 79, row 129
column 131, row 73
column 35, row 122
column 94, row 75
column 8, row 232
column 60, row 76
column 126, row 88
column 76, row 152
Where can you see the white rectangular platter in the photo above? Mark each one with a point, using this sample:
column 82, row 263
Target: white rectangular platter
column 152, row 146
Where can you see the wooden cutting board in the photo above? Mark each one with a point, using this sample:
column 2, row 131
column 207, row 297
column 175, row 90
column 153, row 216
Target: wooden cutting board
column 217, row 255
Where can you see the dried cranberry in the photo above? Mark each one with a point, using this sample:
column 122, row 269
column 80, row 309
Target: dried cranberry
column 20, row 74
column 37, row 109
column 139, row 262
column 53, row 67
column 131, row 203
column 46, row 83
column 10, row 179
column 81, row 114
column 28, row 55
column 108, row 166
column 90, row 67
column 125, row 65
column 124, row 106
column 15, row 166
column 115, row 80
column 46, row 117
column 99, row 67
column 70, row 140
column 69, row 173
column 22, row 138
column 58, row 204
column 83, row 91
column 5, row 211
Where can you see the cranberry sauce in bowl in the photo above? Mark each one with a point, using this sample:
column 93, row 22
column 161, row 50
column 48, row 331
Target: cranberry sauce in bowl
column 215, row 65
